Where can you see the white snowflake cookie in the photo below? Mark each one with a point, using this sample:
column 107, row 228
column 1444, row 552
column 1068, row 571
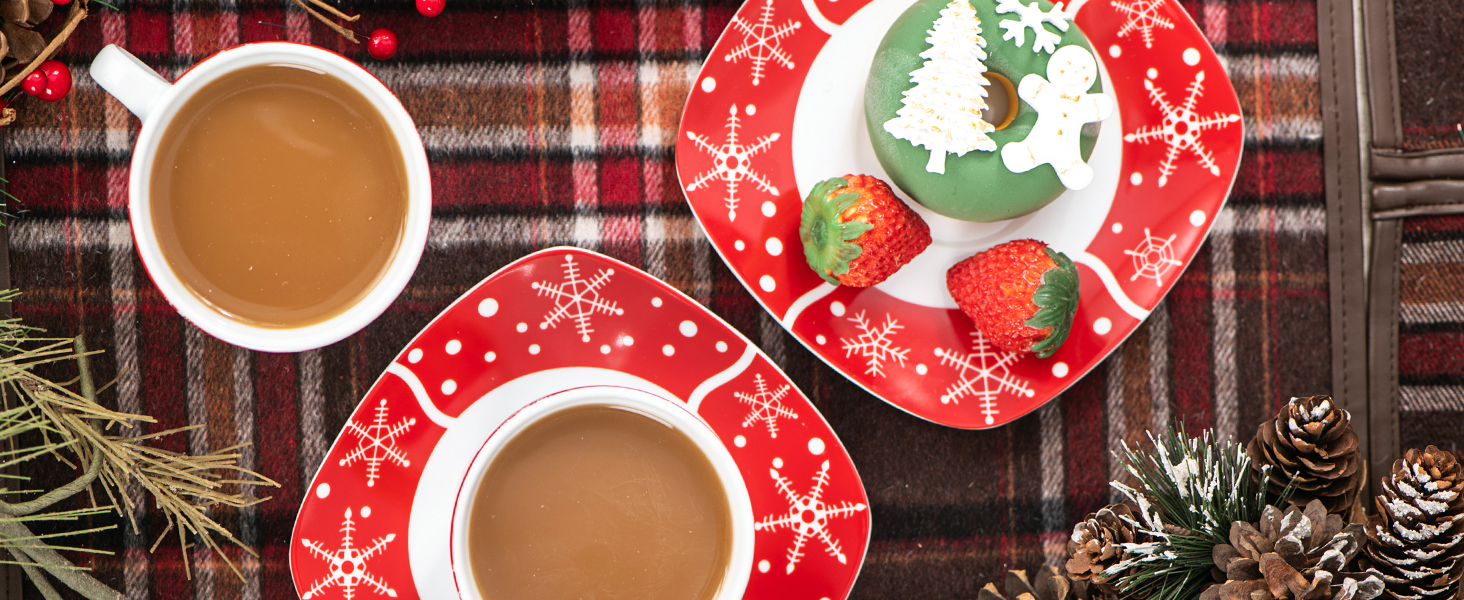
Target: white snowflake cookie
column 1063, row 106
column 1032, row 17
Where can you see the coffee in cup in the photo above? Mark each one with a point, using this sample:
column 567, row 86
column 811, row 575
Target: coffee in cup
column 599, row 493
column 278, row 195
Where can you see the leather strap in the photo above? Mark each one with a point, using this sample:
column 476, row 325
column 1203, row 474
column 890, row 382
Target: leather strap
column 1345, row 217
column 1382, row 417
column 1382, row 74
column 1389, row 163
column 1431, row 193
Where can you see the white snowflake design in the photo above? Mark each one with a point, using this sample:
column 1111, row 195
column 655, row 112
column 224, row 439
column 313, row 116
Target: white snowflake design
column 1143, row 16
column 732, row 162
column 1153, row 257
column 577, row 299
column 874, row 344
column 808, row 515
column 983, row 372
column 378, row 443
column 1181, row 127
column 762, row 41
column 766, row 406
column 1032, row 18
column 348, row 564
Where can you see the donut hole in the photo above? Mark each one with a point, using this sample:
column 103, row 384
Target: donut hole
column 1001, row 101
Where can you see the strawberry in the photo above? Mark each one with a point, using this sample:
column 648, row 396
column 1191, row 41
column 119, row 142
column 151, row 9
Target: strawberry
column 857, row 233
column 1021, row 294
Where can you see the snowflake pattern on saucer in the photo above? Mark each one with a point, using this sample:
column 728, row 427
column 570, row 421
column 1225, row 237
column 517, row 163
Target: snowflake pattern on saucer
column 808, row 516
column 577, row 299
column 348, row 564
column 762, row 42
column 732, row 161
column 1142, row 16
column 1153, row 257
column 766, row 406
column 875, row 344
column 1182, row 126
column 377, row 443
column 985, row 373
column 376, row 521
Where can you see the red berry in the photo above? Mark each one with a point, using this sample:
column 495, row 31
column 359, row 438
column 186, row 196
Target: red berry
column 35, row 83
column 53, row 83
column 382, row 45
column 431, row 8
column 62, row 2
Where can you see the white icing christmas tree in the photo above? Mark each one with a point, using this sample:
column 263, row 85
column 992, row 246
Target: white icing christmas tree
column 943, row 111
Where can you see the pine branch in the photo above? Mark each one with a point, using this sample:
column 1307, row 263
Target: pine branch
column 40, row 417
column 1189, row 492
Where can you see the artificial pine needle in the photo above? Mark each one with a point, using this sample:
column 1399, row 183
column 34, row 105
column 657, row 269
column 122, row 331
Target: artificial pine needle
column 40, row 417
column 1190, row 491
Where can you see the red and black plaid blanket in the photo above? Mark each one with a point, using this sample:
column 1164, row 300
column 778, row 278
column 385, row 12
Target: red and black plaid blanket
column 552, row 122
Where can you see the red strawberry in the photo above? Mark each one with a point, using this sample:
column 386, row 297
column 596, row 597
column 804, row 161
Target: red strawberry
column 857, row 233
column 1021, row 294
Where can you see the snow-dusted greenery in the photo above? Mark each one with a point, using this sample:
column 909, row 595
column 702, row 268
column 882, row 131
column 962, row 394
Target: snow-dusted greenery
column 1189, row 492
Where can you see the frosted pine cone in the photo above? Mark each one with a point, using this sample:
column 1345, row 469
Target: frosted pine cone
column 1094, row 547
column 1050, row 585
column 1414, row 542
column 1311, row 439
column 1294, row 555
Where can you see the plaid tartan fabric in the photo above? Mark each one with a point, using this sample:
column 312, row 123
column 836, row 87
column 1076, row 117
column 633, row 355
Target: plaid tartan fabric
column 1430, row 329
column 1430, row 35
column 552, row 122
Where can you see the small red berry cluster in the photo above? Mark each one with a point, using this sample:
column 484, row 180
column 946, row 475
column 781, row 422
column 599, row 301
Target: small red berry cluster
column 51, row 81
column 383, row 43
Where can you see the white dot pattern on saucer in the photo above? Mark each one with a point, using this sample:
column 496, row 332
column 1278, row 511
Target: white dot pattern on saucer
column 454, row 347
column 687, row 328
column 488, row 307
column 415, row 356
column 323, row 490
column 449, row 386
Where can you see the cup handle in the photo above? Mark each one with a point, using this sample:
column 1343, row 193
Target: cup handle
column 128, row 79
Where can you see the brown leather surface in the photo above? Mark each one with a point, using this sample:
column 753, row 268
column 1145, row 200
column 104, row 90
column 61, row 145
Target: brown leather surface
column 1389, row 163
column 1382, row 73
column 1429, row 195
column 1345, row 220
column 1381, row 446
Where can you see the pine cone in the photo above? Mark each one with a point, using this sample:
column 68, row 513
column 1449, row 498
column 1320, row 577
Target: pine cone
column 1297, row 555
column 1414, row 542
column 1094, row 547
column 1050, row 585
column 1312, row 440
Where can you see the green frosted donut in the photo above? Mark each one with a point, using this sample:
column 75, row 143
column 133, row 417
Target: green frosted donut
column 976, row 186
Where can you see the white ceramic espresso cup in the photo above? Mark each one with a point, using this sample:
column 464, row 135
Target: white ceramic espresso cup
column 156, row 102
column 739, row 564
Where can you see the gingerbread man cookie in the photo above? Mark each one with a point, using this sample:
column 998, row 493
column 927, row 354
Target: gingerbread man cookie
column 1063, row 106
